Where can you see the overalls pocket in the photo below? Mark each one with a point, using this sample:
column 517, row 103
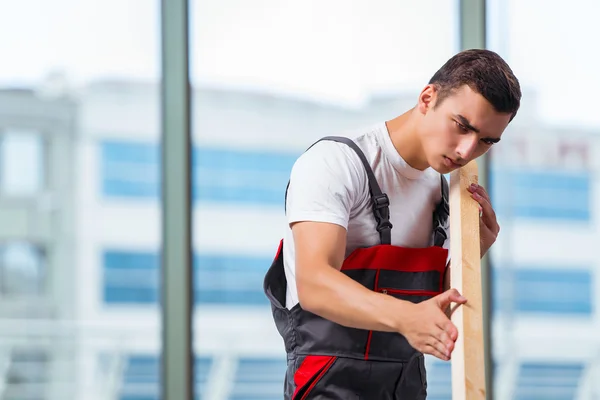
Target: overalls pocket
column 413, row 382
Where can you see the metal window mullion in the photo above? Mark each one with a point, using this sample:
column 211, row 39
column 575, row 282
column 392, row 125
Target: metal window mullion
column 472, row 26
column 177, row 283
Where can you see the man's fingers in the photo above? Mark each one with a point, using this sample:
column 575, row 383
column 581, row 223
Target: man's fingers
column 485, row 230
column 428, row 349
column 439, row 346
column 488, row 214
column 448, row 327
column 449, row 296
column 443, row 337
column 474, row 188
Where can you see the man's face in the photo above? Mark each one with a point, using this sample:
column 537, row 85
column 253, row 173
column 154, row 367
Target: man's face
column 460, row 129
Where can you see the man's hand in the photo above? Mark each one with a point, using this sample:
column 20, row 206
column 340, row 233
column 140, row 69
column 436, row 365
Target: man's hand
column 488, row 225
column 427, row 327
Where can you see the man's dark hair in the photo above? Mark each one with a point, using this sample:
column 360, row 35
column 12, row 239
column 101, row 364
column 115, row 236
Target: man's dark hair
column 486, row 73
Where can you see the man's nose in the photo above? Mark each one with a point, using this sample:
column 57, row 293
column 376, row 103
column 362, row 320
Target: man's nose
column 467, row 146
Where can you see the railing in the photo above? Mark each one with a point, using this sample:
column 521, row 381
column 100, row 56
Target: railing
column 75, row 360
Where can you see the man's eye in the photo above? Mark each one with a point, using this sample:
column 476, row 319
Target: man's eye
column 462, row 127
column 488, row 141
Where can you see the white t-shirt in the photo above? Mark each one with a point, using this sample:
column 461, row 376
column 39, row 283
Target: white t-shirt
column 328, row 183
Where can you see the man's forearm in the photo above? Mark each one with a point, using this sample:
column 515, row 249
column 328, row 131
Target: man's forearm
column 334, row 296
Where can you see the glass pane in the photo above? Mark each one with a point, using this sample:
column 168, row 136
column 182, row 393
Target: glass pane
column 269, row 78
column 22, row 163
column 26, row 374
column 22, row 270
column 544, row 179
column 79, row 169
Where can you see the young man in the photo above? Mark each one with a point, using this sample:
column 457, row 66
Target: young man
column 358, row 288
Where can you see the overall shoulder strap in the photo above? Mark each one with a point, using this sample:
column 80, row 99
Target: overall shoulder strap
column 440, row 216
column 381, row 202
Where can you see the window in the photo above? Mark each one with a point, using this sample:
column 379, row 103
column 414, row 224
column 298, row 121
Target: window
column 141, row 377
column 258, row 379
column 542, row 195
column 548, row 380
column 22, row 270
column 21, row 163
column 133, row 278
column 77, row 71
column 566, row 291
column 27, row 374
column 230, row 279
column 224, row 175
column 130, row 169
column 241, row 176
column 130, row 277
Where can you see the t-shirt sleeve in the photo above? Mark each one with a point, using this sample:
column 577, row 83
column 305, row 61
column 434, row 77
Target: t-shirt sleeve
column 325, row 184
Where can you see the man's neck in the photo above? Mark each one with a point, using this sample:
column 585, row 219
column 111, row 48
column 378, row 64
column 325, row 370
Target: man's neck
column 406, row 140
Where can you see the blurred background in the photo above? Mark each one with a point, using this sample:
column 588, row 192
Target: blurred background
column 80, row 180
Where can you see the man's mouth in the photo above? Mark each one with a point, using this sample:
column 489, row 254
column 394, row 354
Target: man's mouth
column 452, row 163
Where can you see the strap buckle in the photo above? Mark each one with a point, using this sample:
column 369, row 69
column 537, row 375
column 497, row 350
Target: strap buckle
column 385, row 224
column 382, row 212
column 381, row 201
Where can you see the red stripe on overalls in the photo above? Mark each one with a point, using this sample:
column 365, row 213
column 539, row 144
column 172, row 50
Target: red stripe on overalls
column 312, row 368
column 398, row 258
column 279, row 250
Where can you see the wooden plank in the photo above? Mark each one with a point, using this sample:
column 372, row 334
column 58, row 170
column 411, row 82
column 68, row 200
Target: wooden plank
column 468, row 369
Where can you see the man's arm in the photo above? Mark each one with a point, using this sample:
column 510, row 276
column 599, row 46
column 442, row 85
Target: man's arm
column 327, row 292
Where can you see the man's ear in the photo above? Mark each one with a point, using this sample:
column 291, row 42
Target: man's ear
column 427, row 98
